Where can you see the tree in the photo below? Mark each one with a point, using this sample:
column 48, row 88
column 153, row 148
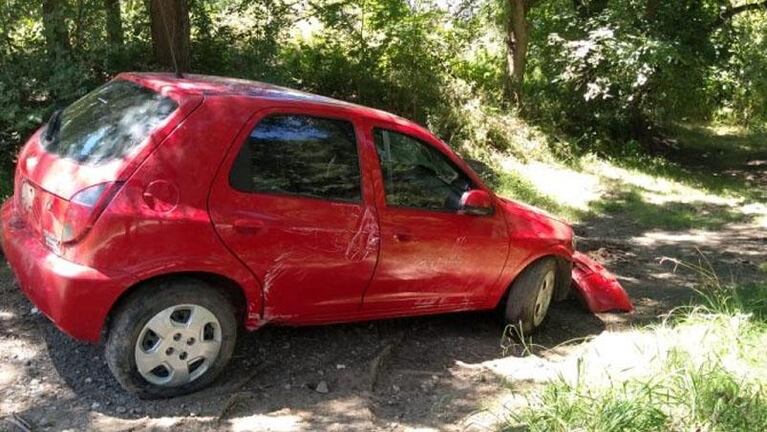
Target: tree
column 170, row 33
column 517, row 41
column 55, row 29
column 114, row 23
column 589, row 8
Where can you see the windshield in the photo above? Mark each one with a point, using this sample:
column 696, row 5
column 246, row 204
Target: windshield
column 107, row 123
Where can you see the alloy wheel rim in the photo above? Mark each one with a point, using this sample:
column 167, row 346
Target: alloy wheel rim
column 178, row 345
column 543, row 299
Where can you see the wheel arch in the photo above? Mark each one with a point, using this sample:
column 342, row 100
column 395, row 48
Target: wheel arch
column 564, row 272
column 232, row 289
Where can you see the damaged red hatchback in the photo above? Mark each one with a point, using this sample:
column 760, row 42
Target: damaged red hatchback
column 164, row 213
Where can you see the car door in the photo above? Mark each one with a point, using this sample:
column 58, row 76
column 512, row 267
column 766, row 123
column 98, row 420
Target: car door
column 290, row 202
column 433, row 256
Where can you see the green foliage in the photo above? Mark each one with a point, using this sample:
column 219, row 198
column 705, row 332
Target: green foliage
column 683, row 398
column 617, row 72
column 600, row 75
column 740, row 82
column 674, row 216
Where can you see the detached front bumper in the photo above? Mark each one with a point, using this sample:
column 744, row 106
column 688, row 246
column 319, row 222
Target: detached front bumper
column 75, row 297
column 598, row 288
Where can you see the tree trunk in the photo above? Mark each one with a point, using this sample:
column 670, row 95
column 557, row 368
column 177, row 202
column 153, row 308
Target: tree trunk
column 589, row 8
column 651, row 11
column 114, row 23
column 55, row 29
column 170, row 33
column 517, row 40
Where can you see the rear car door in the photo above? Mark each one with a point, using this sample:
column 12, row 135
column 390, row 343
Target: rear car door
column 290, row 202
column 433, row 257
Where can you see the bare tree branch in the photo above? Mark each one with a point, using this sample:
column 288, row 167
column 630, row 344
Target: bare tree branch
column 729, row 13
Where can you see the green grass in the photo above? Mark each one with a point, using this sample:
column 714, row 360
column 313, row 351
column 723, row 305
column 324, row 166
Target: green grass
column 710, row 158
column 628, row 201
column 719, row 163
column 713, row 376
column 683, row 396
column 684, row 399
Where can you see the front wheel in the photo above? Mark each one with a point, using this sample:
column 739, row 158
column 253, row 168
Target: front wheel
column 527, row 304
column 171, row 339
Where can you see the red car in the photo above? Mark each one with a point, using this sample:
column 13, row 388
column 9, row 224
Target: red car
column 162, row 214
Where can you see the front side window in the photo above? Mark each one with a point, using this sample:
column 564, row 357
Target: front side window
column 300, row 155
column 417, row 175
column 108, row 123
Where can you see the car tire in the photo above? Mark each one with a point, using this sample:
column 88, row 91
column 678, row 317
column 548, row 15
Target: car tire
column 530, row 296
column 185, row 326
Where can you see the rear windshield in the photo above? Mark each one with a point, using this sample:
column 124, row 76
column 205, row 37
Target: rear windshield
column 108, row 123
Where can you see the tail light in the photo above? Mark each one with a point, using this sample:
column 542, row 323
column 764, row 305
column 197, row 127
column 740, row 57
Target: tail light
column 84, row 208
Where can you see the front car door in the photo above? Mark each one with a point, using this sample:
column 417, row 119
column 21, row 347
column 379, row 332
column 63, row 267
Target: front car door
column 433, row 257
column 290, row 202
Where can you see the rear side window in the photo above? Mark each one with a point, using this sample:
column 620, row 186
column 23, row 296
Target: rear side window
column 108, row 123
column 300, row 155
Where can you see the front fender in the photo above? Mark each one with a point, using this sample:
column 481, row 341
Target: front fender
column 520, row 259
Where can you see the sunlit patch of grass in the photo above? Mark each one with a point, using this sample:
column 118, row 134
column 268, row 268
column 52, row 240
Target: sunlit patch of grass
column 657, row 187
column 566, row 185
column 702, row 368
column 651, row 191
column 725, row 144
column 717, row 388
column 708, row 158
column 706, row 376
column 517, row 187
column 631, row 203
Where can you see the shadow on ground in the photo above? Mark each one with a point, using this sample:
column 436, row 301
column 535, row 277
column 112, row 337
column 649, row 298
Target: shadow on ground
column 405, row 371
column 718, row 161
column 635, row 238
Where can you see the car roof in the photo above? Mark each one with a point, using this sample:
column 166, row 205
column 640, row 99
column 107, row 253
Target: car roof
column 210, row 85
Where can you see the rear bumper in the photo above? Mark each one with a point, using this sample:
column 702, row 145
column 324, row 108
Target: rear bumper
column 75, row 297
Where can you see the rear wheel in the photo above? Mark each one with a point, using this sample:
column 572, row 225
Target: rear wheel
column 527, row 304
column 171, row 339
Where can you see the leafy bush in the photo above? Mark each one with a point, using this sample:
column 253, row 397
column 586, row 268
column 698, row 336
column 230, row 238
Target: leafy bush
column 616, row 74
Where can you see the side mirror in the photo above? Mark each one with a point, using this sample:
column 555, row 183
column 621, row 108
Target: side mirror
column 476, row 202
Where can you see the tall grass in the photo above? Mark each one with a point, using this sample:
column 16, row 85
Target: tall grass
column 711, row 374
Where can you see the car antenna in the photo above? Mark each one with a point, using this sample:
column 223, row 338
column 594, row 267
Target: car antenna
column 176, row 69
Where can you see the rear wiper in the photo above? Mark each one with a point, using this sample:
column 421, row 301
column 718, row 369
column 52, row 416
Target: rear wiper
column 53, row 126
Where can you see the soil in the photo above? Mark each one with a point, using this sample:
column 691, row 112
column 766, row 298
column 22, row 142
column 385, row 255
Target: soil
column 422, row 373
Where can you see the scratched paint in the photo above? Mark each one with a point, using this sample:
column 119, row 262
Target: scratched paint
column 365, row 240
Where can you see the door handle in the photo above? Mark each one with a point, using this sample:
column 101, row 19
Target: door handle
column 247, row 226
